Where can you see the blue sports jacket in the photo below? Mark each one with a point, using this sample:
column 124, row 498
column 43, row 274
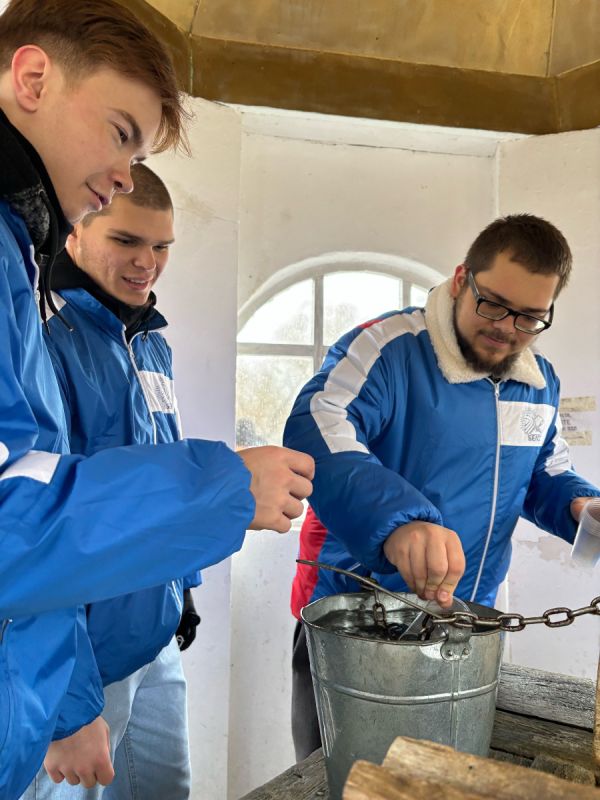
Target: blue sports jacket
column 77, row 530
column 402, row 429
column 118, row 393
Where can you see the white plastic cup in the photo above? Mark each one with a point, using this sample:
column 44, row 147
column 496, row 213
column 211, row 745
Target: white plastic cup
column 586, row 548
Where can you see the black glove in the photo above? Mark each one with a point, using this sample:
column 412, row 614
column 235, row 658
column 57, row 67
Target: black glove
column 186, row 632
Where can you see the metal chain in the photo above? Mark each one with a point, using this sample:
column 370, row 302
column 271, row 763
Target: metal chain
column 509, row 622
column 554, row 618
column 379, row 615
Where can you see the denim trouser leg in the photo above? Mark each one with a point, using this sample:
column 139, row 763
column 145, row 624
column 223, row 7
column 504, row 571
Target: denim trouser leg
column 152, row 761
column 147, row 716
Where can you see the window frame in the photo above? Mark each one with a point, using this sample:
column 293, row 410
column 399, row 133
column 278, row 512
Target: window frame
column 316, row 269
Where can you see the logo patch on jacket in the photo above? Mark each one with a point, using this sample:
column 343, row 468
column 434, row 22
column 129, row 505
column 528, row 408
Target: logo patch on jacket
column 531, row 425
column 159, row 392
column 525, row 424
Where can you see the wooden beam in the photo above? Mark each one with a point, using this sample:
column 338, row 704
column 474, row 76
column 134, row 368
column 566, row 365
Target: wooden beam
column 337, row 83
column 430, row 761
column 596, row 744
column 369, row 782
column 530, row 737
column 546, row 695
column 563, row 769
column 303, row 781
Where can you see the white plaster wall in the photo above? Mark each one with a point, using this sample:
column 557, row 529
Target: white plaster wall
column 312, row 185
column 557, row 177
column 304, row 196
column 198, row 294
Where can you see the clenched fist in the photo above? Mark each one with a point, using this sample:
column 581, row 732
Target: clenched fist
column 83, row 758
column 281, row 479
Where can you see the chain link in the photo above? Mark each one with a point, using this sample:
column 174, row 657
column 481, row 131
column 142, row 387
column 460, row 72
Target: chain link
column 379, row 615
column 510, row 622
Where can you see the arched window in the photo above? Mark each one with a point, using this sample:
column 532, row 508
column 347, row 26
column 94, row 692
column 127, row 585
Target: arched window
column 286, row 328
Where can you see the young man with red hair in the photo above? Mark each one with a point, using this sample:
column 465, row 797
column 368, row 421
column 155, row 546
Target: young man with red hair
column 85, row 91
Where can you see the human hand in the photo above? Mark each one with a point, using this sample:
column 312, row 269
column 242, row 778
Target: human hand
column 83, row 758
column 281, row 479
column 429, row 557
column 577, row 506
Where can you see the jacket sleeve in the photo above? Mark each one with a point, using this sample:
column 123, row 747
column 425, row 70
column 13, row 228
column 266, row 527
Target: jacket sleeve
column 554, row 484
column 77, row 530
column 192, row 579
column 336, row 417
column 84, row 699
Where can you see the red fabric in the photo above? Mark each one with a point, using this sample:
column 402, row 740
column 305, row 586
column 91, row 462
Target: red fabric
column 312, row 536
column 368, row 324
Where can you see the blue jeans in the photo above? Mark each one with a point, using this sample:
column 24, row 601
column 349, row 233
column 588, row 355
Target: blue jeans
column 147, row 717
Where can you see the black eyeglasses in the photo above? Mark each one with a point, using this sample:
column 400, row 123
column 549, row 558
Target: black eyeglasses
column 496, row 311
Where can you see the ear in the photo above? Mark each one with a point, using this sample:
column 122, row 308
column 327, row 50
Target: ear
column 73, row 242
column 30, row 70
column 458, row 280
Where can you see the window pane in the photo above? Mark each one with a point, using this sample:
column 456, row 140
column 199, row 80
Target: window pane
column 287, row 318
column 354, row 297
column 266, row 389
column 418, row 296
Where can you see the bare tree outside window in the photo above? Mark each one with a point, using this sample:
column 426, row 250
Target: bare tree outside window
column 285, row 341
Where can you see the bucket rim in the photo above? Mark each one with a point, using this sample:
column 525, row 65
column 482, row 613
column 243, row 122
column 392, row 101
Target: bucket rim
column 488, row 611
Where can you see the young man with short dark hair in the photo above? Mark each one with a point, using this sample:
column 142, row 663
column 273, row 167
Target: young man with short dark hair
column 115, row 371
column 85, row 91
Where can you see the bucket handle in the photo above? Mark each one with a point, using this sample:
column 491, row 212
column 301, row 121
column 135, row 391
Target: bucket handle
column 370, row 584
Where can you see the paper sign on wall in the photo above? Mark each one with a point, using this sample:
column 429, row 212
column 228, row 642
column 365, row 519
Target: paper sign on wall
column 576, row 417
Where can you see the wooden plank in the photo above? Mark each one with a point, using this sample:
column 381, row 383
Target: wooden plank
column 510, row 758
column 547, row 695
column 563, row 769
column 596, row 745
column 303, row 781
column 529, row 737
column 428, row 760
column 369, row 782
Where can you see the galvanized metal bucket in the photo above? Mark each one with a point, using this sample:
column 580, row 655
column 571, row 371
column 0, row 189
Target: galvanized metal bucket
column 369, row 691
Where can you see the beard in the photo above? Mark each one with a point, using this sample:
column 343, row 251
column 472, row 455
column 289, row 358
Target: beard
column 497, row 370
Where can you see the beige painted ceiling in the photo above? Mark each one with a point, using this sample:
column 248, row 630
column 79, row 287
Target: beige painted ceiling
column 522, row 65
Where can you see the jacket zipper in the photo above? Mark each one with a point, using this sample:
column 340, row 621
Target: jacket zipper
column 139, row 377
column 495, row 492
column 3, row 627
column 178, row 600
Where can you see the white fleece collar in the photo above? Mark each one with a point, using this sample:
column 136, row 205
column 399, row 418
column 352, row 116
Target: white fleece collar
column 438, row 319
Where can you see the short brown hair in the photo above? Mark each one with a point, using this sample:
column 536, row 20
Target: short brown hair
column 149, row 191
column 531, row 241
column 85, row 35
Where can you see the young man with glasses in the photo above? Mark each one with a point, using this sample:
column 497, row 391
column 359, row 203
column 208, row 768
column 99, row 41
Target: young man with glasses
column 433, row 431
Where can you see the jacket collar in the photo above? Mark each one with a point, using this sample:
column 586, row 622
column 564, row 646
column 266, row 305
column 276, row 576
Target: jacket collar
column 439, row 321
column 26, row 186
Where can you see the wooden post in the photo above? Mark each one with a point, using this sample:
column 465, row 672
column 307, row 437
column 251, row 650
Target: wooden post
column 597, row 721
